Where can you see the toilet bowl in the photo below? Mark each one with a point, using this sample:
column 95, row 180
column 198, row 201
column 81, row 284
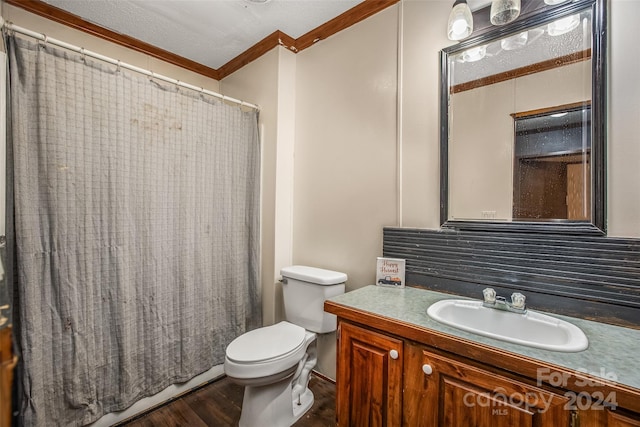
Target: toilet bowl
column 270, row 363
column 266, row 352
column 274, row 362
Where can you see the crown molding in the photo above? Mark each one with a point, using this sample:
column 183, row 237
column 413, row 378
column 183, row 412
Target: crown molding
column 352, row 16
column 73, row 21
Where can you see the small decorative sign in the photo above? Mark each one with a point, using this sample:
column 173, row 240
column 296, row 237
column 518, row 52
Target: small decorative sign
column 390, row 272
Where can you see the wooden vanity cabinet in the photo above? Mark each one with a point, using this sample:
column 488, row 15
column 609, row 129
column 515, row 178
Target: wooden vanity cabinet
column 440, row 391
column 621, row 419
column 384, row 380
column 369, row 371
column 393, row 373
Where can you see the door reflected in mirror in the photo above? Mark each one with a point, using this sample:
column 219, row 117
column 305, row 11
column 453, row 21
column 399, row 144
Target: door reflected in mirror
column 551, row 168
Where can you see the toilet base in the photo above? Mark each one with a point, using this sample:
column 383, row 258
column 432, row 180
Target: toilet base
column 280, row 400
column 302, row 405
column 273, row 405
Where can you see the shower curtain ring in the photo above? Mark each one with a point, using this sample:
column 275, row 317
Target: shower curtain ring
column 82, row 54
column 119, row 66
column 43, row 41
column 7, row 28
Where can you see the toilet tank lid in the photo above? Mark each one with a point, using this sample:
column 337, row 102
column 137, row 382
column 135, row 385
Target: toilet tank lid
column 313, row 275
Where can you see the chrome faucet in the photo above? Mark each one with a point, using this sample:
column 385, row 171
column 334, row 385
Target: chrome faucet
column 517, row 304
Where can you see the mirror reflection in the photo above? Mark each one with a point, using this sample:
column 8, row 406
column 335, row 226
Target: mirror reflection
column 551, row 167
column 519, row 122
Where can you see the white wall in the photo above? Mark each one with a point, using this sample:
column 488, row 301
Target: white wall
column 269, row 81
column 423, row 36
column 345, row 153
column 481, row 143
column 623, row 151
column 342, row 184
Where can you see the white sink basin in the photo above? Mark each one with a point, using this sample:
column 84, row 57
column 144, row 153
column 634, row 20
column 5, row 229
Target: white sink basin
column 531, row 329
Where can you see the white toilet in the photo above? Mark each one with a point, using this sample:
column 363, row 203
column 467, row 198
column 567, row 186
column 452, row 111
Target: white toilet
column 274, row 362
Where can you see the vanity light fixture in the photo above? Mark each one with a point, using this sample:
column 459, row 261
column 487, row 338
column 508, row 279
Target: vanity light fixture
column 563, row 25
column 460, row 24
column 504, row 11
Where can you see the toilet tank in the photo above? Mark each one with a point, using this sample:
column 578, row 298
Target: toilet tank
column 305, row 289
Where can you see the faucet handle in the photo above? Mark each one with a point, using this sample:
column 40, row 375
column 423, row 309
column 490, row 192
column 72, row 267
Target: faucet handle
column 489, row 295
column 517, row 300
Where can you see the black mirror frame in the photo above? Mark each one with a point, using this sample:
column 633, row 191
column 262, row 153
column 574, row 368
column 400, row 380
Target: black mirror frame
column 597, row 226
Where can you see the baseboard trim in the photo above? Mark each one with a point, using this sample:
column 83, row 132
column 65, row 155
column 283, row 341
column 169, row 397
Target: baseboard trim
column 323, row 376
column 167, row 395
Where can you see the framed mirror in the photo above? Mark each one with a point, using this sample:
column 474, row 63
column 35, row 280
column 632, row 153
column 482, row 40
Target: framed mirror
column 523, row 123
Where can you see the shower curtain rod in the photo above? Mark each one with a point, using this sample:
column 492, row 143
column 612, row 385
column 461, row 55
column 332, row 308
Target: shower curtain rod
column 84, row 52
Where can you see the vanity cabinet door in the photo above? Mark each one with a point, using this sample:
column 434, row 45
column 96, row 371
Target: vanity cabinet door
column 619, row 419
column 369, row 378
column 444, row 392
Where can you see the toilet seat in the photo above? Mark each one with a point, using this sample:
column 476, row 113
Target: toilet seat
column 266, row 351
column 266, row 343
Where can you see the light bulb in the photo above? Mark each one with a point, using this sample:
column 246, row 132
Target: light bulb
column 504, row 11
column 554, row 2
column 563, row 25
column 515, row 42
column 460, row 24
column 474, row 54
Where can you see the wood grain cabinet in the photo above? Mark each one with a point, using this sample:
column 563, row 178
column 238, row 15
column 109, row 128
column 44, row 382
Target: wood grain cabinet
column 369, row 386
column 440, row 391
column 621, row 419
column 7, row 364
column 390, row 380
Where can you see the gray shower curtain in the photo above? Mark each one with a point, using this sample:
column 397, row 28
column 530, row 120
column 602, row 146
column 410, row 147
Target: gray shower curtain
column 137, row 232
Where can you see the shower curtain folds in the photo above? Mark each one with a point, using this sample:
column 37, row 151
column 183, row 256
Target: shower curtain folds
column 137, row 232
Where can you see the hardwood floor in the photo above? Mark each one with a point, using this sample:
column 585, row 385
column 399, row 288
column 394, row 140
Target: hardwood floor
column 218, row 404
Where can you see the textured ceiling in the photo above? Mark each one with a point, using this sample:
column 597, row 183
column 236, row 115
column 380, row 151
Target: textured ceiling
column 210, row 32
